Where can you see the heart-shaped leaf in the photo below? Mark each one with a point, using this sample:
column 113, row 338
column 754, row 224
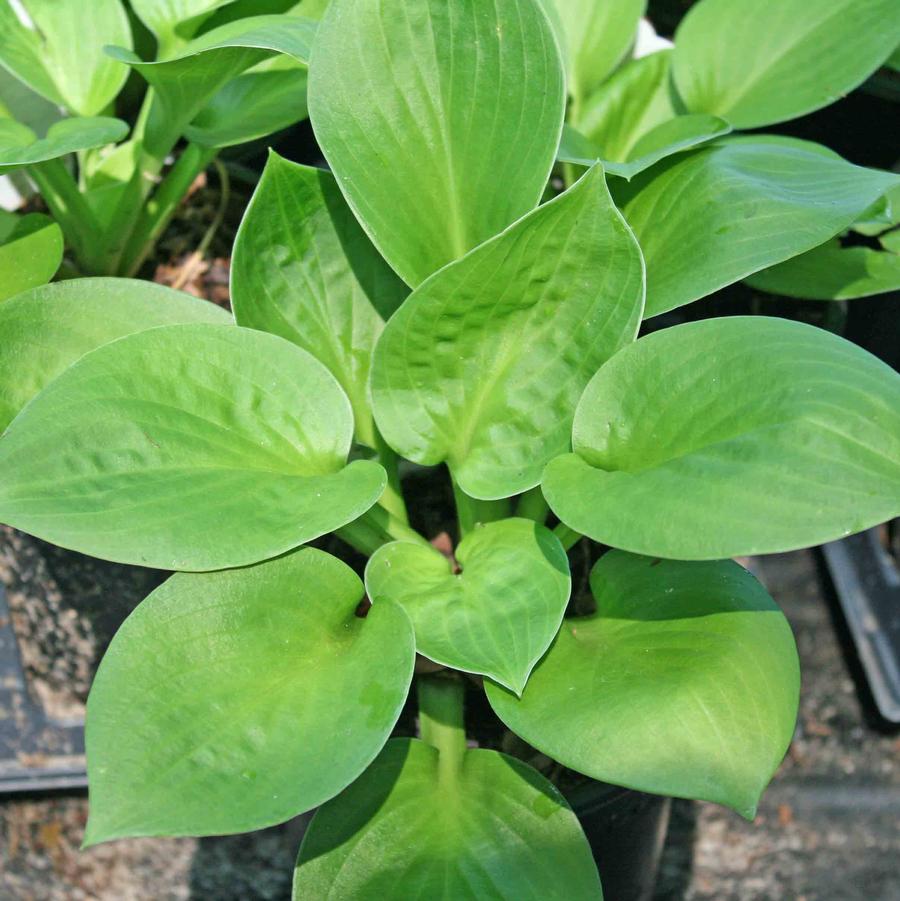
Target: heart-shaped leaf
column 671, row 137
column 497, row 829
column 711, row 217
column 635, row 100
column 185, row 84
column 45, row 330
column 597, row 36
column 495, row 617
column 304, row 269
column 727, row 437
column 19, row 146
column 483, row 365
column 684, row 682
column 187, row 447
column 56, row 48
column 268, row 98
column 436, row 147
column 832, row 272
column 781, row 58
column 234, row 700
column 31, row 249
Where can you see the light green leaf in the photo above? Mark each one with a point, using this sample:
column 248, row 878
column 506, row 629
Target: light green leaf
column 304, row 269
column 496, row 830
column 174, row 20
column 268, row 98
column 881, row 215
column 19, row 102
column 19, row 146
column 597, row 37
column 890, row 241
column 234, row 700
column 781, row 58
column 711, row 217
column 832, row 272
column 188, row 447
column 684, row 682
column 185, row 84
column 45, row 330
column 482, row 366
column 496, row 616
column 765, row 435
column 30, row 253
column 675, row 136
column 56, row 48
column 635, row 100
column 436, row 147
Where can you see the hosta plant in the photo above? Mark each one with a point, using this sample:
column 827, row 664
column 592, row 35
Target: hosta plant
column 450, row 299
column 218, row 75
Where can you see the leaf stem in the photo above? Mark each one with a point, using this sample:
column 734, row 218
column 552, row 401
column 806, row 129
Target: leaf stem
column 568, row 537
column 375, row 528
column 471, row 512
column 160, row 209
column 441, row 722
column 392, row 499
column 66, row 202
column 532, row 505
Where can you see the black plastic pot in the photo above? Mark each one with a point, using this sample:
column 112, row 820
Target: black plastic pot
column 626, row 830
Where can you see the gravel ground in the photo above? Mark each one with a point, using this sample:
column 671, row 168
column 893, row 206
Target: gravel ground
column 826, row 830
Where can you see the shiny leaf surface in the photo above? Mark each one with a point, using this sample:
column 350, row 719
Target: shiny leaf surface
column 304, row 269
column 45, row 330
column 234, row 700
column 684, row 682
column 779, row 59
column 402, row 830
column 496, row 616
column 188, row 447
column 436, row 147
column 730, row 437
column 711, row 217
column 483, row 365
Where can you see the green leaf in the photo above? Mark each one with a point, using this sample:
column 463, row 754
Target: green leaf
column 56, row 48
column 832, row 272
column 436, row 147
column 171, row 20
column 45, row 330
column 19, row 102
column 234, row 700
column 782, row 58
column 765, row 436
column 635, row 100
column 709, row 218
column 675, row 136
column 304, row 269
column 484, row 363
column 881, row 215
column 30, row 253
column 684, row 682
column 890, row 241
column 188, row 447
column 268, row 98
column 186, row 83
column 498, row 615
column 496, row 830
column 597, row 37
column 19, row 146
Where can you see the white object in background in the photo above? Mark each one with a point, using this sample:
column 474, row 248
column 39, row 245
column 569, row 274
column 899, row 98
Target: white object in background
column 648, row 41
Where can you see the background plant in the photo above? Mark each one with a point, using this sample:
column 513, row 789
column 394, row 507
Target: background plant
column 219, row 74
column 420, row 302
